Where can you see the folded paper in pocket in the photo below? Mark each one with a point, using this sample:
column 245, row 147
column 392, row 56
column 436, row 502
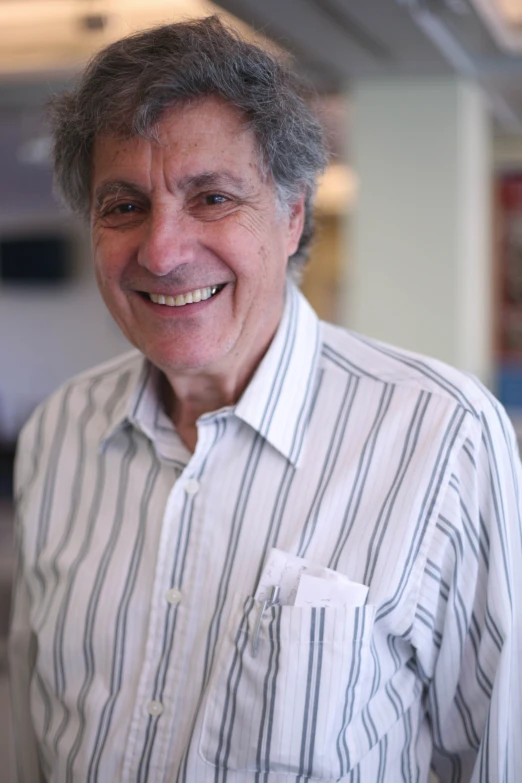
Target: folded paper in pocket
column 287, row 572
column 320, row 592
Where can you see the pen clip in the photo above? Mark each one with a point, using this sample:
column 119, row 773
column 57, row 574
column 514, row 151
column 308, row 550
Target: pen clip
column 272, row 601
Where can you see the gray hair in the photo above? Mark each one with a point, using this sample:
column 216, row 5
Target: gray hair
column 127, row 87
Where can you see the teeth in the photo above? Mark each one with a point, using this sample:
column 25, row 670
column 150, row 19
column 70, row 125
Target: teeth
column 199, row 295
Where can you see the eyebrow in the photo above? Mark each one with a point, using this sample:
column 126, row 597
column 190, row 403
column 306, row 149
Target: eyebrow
column 207, row 179
column 115, row 187
column 211, row 179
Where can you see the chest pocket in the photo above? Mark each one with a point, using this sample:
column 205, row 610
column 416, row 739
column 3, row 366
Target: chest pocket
column 287, row 710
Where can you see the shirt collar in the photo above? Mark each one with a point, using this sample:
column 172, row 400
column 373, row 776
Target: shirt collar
column 276, row 402
column 141, row 406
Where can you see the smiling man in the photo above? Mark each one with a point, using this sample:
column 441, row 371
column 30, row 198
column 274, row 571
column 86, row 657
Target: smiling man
column 190, row 251
column 258, row 547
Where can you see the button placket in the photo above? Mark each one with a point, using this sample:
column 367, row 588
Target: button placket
column 192, row 486
column 155, row 708
column 173, row 596
column 165, row 599
column 181, row 501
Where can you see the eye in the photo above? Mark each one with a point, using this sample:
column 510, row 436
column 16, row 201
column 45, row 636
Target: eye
column 123, row 209
column 214, row 198
column 212, row 206
column 122, row 214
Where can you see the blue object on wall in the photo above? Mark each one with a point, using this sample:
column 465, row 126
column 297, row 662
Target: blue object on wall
column 509, row 385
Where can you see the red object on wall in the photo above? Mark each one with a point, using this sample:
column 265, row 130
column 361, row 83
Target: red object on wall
column 509, row 268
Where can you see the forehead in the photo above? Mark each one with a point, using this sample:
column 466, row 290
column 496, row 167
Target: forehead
column 190, row 135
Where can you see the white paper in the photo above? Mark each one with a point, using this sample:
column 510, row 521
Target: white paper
column 318, row 592
column 286, row 572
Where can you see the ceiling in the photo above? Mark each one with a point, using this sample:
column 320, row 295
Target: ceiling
column 43, row 44
column 334, row 41
column 337, row 41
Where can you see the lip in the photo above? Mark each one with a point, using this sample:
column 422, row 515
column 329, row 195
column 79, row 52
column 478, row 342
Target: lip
column 171, row 311
column 177, row 292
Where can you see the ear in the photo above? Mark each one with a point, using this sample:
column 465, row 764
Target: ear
column 295, row 225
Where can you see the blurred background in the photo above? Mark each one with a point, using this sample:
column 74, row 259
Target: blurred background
column 419, row 214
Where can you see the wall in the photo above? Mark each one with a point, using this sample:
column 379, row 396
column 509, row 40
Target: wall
column 48, row 334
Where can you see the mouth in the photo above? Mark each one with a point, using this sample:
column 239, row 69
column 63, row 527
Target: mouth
column 191, row 297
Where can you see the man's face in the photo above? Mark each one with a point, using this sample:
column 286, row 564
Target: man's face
column 188, row 218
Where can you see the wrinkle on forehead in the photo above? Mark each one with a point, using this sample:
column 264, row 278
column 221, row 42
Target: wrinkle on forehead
column 215, row 119
column 206, row 105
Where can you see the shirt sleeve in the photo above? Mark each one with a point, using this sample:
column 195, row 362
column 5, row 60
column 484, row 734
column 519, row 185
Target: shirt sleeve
column 467, row 634
column 22, row 646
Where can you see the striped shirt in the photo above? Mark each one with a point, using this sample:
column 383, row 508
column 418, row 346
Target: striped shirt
column 139, row 561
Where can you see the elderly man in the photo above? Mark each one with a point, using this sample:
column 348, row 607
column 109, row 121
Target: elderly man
column 259, row 548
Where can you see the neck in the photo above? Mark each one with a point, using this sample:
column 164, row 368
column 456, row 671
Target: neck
column 189, row 397
column 190, row 393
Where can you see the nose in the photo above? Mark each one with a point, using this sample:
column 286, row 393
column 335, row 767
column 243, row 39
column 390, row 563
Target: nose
column 168, row 241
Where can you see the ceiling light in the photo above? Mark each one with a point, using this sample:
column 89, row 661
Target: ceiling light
column 503, row 18
column 510, row 10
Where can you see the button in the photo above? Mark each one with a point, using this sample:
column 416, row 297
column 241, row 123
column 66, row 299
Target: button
column 173, row 596
column 154, row 708
column 192, row 486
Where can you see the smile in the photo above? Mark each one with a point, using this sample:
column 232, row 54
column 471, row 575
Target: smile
column 192, row 297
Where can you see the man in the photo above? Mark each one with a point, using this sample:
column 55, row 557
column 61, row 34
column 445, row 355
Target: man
column 260, row 548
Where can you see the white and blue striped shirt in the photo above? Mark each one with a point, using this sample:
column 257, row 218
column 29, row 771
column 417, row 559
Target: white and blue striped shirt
column 139, row 561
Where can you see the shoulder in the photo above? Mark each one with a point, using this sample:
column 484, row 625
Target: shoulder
column 474, row 432
column 92, row 394
column 106, row 372
column 103, row 376
column 380, row 363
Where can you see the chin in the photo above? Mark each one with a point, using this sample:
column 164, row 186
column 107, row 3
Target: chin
column 185, row 353
column 179, row 363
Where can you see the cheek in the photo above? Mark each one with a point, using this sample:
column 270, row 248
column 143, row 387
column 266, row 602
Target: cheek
column 102, row 274
column 107, row 281
column 106, row 257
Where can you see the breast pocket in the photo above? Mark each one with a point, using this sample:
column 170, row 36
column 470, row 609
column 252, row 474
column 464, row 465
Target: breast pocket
column 287, row 709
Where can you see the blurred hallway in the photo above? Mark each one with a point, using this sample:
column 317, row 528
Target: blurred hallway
column 390, row 259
